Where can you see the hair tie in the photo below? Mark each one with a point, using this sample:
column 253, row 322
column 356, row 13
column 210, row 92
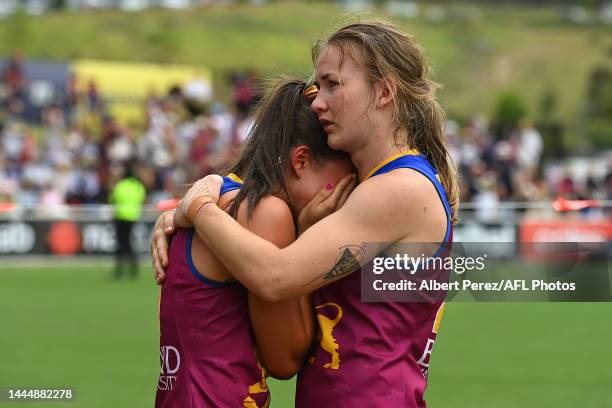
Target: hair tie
column 310, row 92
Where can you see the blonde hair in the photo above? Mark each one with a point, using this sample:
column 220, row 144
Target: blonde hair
column 393, row 57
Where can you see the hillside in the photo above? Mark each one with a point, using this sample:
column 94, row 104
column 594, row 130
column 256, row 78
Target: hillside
column 476, row 53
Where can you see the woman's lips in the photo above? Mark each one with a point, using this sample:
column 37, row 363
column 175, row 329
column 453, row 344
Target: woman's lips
column 327, row 124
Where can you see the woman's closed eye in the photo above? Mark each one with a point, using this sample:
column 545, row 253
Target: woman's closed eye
column 332, row 84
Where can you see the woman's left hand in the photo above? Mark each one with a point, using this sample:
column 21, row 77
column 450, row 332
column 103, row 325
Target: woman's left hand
column 160, row 241
column 326, row 202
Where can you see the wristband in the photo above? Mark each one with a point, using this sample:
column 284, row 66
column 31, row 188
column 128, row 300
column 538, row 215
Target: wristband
column 196, row 206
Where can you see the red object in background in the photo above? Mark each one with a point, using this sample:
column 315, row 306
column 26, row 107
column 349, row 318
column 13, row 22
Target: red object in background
column 64, row 238
column 6, row 207
column 167, row 205
column 563, row 205
column 535, row 231
column 562, row 240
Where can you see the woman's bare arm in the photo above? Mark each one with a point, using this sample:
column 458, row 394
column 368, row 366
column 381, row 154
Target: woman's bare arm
column 284, row 330
column 384, row 209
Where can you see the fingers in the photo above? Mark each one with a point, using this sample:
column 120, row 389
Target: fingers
column 207, row 189
column 163, row 236
column 209, row 186
column 340, row 189
column 162, row 250
column 322, row 195
column 168, row 222
column 158, row 269
column 180, row 219
column 162, row 231
column 346, row 193
column 159, row 240
column 215, row 184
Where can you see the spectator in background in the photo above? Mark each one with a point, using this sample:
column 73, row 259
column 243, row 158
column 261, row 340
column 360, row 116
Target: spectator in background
column 247, row 95
column 247, row 92
column 530, row 147
column 14, row 108
column 487, row 199
column 71, row 96
column 94, row 100
column 53, row 135
column 14, row 76
column 223, row 122
column 84, row 185
column 199, row 90
column 201, row 149
column 158, row 144
column 127, row 196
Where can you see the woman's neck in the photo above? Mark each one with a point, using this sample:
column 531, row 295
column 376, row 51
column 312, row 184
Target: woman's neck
column 374, row 152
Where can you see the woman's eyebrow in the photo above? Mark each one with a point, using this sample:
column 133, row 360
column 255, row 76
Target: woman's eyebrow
column 326, row 76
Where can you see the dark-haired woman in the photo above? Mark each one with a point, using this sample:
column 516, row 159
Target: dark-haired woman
column 207, row 350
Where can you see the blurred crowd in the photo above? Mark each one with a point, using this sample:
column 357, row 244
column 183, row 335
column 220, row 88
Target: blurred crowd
column 78, row 151
column 498, row 169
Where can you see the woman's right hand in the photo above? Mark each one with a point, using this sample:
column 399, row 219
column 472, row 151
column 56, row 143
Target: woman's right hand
column 203, row 192
column 326, row 202
column 160, row 241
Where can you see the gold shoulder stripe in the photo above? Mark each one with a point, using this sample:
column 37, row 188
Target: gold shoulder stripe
column 235, row 178
column 413, row 152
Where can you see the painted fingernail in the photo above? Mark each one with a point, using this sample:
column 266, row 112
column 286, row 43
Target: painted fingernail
column 329, row 186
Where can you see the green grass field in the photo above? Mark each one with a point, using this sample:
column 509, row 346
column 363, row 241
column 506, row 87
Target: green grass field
column 73, row 326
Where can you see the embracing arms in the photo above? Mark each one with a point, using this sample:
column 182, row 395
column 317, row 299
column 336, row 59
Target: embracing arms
column 385, row 209
column 284, row 330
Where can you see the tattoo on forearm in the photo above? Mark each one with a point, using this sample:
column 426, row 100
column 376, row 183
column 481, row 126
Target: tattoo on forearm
column 347, row 262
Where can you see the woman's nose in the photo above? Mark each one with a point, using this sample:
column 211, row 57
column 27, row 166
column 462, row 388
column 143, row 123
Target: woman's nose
column 318, row 104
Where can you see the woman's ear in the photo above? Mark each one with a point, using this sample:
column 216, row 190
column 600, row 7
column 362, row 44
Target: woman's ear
column 301, row 160
column 385, row 92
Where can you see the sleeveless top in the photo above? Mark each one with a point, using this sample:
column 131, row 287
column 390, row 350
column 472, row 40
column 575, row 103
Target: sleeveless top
column 207, row 347
column 373, row 354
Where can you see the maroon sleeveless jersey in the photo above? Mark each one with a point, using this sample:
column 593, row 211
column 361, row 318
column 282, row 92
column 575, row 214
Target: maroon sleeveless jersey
column 372, row 354
column 207, row 348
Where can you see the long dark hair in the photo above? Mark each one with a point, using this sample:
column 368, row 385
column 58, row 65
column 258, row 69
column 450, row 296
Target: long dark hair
column 282, row 120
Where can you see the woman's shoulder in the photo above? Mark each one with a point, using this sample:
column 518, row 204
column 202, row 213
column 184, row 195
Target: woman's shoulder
column 271, row 219
column 399, row 195
column 404, row 180
column 274, row 204
column 269, row 207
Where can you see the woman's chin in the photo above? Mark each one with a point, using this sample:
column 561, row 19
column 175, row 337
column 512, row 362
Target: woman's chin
column 334, row 142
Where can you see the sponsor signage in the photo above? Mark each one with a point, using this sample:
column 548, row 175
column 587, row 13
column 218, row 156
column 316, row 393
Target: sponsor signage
column 64, row 237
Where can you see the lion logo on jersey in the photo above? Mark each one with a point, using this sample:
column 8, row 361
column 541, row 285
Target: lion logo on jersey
column 328, row 342
column 259, row 387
